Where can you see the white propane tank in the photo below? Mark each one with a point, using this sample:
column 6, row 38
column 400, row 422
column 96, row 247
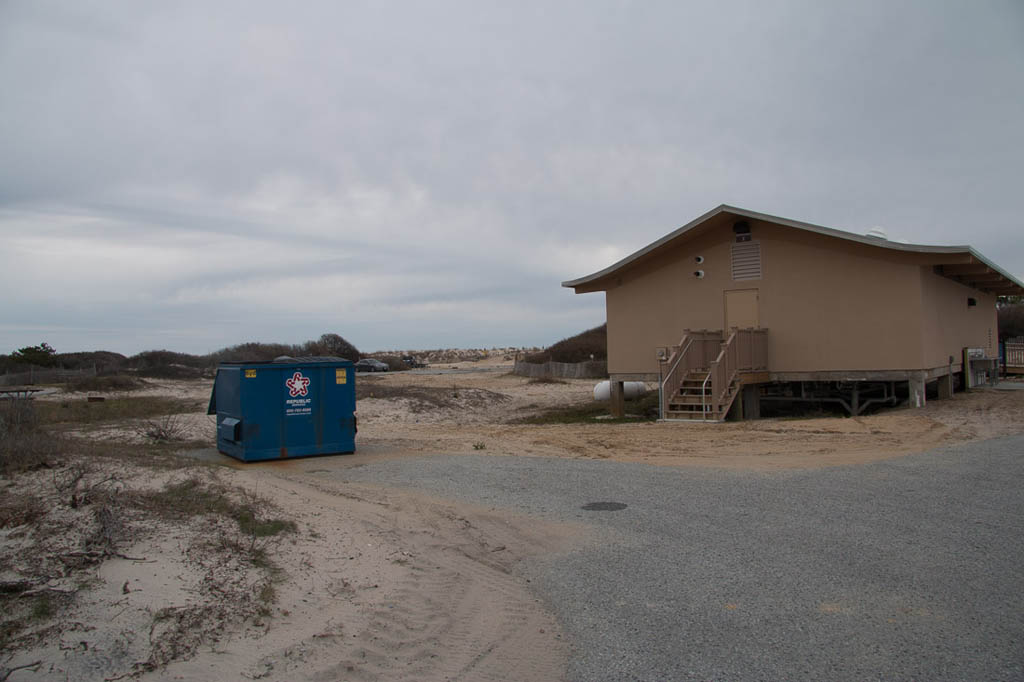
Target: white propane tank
column 632, row 389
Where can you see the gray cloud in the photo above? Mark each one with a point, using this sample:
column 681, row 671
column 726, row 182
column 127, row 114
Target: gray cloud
column 199, row 174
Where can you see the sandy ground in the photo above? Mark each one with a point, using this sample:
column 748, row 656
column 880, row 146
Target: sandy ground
column 386, row 586
column 379, row 584
column 390, row 426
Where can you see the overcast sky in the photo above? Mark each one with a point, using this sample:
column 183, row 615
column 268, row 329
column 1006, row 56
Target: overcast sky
column 191, row 175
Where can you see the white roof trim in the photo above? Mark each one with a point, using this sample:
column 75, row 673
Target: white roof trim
column 819, row 229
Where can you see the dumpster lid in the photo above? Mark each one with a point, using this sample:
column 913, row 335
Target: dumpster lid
column 288, row 358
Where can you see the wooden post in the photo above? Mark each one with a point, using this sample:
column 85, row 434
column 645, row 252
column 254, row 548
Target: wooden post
column 616, row 399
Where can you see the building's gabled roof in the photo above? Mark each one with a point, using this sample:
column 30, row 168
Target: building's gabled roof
column 976, row 271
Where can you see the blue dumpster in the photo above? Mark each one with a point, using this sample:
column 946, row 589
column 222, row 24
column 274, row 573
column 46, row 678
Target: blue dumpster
column 291, row 407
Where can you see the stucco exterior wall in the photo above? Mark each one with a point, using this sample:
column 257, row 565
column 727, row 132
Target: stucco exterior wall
column 950, row 325
column 829, row 304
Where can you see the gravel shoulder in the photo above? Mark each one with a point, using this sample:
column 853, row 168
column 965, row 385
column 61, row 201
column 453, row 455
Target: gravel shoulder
column 908, row 568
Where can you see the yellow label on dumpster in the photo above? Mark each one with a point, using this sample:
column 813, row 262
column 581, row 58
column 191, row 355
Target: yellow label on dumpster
column 341, row 376
column 250, row 374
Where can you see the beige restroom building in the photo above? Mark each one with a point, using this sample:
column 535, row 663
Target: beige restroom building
column 737, row 307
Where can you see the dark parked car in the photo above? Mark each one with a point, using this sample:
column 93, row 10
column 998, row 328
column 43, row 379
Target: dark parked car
column 371, row 365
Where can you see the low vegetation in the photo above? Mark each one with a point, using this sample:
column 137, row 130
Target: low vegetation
column 23, row 444
column 424, row 398
column 589, row 345
column 644, row 408
column 80, row 411
column 70, row 505
column 198, row 496
column 111, row 383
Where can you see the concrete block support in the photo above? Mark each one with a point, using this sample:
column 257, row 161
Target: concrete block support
column 916, row 390
column 617, row 399
column 751, row 401
column 946, row 386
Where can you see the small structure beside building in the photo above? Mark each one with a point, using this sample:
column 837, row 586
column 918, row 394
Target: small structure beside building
column 737, row 307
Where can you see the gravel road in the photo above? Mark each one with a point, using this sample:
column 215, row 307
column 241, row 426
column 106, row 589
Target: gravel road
column 903, row 569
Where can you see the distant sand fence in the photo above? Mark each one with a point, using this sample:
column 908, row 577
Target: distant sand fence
column 45, row 376
column 1013, row 356
column 592, row 369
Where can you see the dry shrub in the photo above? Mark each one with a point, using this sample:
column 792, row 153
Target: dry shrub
column 19, row 510
column 121, row 408
column 113, row 382
column 425, row 398
column 166, row 429
column 173, row 371
column 23, row 444
column 644, row 408
column 547, row 380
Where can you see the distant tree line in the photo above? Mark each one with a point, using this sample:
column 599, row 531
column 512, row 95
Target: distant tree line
column 171, row 364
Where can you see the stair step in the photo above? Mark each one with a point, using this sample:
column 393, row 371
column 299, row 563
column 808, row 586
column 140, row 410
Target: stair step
column 692, row 416
column 689, row 409
column 690, row 400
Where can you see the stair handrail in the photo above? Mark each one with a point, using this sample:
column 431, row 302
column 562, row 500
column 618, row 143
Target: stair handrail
column 723, row 370
column 743, row 350
column 666, row 387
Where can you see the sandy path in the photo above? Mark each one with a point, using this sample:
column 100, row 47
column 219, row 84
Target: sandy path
column 385, row 585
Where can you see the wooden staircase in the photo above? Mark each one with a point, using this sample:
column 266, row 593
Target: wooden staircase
column 704, row 374
column 694, row 400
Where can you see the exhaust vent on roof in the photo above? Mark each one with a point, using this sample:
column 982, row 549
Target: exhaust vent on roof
column 746, row 260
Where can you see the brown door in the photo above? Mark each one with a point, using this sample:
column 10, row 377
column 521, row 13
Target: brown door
column 741, row 309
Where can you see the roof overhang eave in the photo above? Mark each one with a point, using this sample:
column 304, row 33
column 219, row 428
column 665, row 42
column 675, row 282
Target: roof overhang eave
column 809, row 227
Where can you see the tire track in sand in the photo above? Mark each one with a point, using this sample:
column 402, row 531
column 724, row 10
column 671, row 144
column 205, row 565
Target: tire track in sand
column 428, row 590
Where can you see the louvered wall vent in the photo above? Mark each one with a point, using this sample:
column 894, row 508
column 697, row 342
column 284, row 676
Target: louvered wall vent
column 746, row 260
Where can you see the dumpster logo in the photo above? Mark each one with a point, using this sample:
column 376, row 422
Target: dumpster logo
column 299, row 403
column 297, row 385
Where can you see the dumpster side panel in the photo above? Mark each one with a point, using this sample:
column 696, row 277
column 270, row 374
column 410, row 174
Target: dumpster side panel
column 261, row 403
column 228, row 403
column 294, row 410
